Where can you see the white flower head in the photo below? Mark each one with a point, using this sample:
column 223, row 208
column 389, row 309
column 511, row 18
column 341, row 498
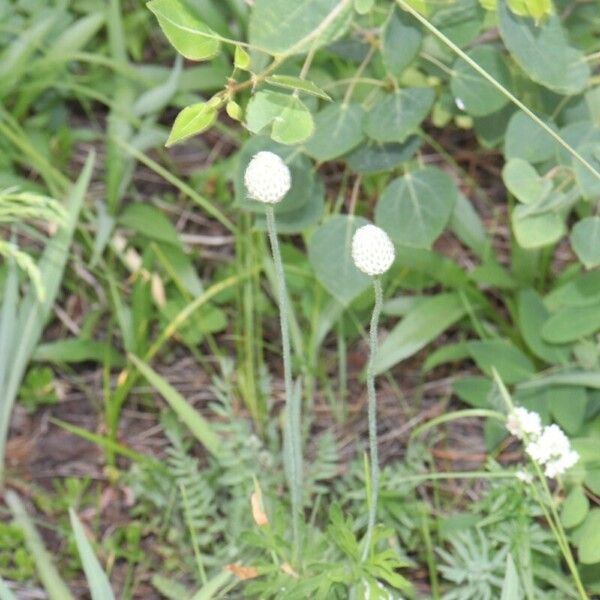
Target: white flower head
column 553, row 450
column 267, row 178
column 372, row 250
column 524, row 424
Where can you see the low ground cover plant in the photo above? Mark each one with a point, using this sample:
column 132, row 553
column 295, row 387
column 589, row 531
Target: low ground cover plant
column 339, row 339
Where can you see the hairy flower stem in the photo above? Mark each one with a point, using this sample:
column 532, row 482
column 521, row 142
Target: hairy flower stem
column 293, row 442
column 372, row 409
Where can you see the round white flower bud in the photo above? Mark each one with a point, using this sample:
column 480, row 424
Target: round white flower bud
column 372, row 250
column 267, row 178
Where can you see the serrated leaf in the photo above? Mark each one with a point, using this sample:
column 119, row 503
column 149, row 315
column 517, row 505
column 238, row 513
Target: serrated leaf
column 415, row 208
column 192, row 120
column 295, row 83
column 186, row 32
column 394, row 117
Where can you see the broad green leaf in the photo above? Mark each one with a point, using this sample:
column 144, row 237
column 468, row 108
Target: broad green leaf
column 460, row 20
column 584, row 289
column 97, row 580
column 188, row 34
column 338, row 130
column 446, row 354
column 374, row 157
column 523, row 181
column 575, row 508
column 572, row 323
column 467, row 225
column 157, row 98
column 527, row 140
column 288, row 26
column 200, row 428
column 362, row 7
column 537, row 230
column 543, row 51
column 476, row 391
column 533, row 314
column 588, row 183
column 478, row 96
column 402, row 39
column 511, row 588
column 511, row 363
column 329, row 254
column 295, row 83
column 568, row 406
column 490, row 130
column 149, row 221
column 585, row 241
column 415, row 209
column 395, row 116
column 588, row 545
column 419, row 327
column 287, row 116
column 192, row 120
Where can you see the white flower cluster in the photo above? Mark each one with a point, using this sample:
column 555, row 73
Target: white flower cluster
column 547, row 446
column 267, row 178
column 372, row 250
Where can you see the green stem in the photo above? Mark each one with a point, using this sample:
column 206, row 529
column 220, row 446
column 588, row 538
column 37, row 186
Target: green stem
column 293, row 445
column 372, row 410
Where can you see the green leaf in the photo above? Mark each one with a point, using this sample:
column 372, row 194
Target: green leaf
column 338, row 130
column 329, row 254
column 149, row 221
column 582, row 290
column 374, row 157
column 192, row 120
column 241, row 59
column 67, row 351
column 415, row 209
column 394, row 117
column 362, row 7
column 401, row 42
column 585, row 241
column 295, row 83
column 575, row 508
column 288, row 26
column 589, row 538
column 543, row 51
column 189, row 416
column 467, row 225
column 478, row 96
column 523, row 181
column 588, row 183
column 511, row 589
column 421, row 326
column 188, row 34
column 511, row 364
column 97, row 580
column 572, row 323
column 568, row 405
column 525, row 139
column 533, row 314
column 289, row 118
column 537, row 230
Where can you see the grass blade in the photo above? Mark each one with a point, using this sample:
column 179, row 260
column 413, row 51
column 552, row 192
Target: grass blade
column 49, row 576
column 198, row 425
column 96, row 577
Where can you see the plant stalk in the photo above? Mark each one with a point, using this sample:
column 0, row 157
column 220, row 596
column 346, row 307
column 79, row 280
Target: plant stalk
column 293, row 443
column 372, row 410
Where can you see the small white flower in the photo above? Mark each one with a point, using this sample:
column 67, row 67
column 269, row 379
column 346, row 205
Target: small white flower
column 553, row 450
column 267, row 178
column 372, row 250
column 523, row 423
